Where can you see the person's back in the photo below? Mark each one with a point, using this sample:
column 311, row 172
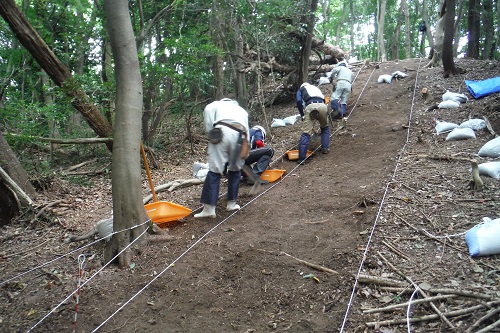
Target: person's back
column 343, row 87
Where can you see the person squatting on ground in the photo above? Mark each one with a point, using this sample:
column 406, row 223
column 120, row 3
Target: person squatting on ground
column 311, row 104
column 227, row 125
column 343, row 87
column 260, row 156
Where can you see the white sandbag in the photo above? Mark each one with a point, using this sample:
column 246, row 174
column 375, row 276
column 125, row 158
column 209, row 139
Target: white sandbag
column 323, row 80
column 490, row 148
column 200, row 170
column 278, row 123
column 490, row 169
column 451, row 96
column 475, row 124
column 384, row 78
column 461, row 134
column 291, row 120
column 444, row 127
column 448, row 104
column 483, row 239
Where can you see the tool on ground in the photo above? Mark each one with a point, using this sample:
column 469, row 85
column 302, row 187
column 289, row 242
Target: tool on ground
column 255, row 178
column 161, row 212
column 272, row 175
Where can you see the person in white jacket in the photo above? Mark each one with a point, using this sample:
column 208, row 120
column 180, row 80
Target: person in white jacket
column 227, row 125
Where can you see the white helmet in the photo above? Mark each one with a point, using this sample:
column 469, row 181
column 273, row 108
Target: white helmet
column 257, row 127
column 304, row 84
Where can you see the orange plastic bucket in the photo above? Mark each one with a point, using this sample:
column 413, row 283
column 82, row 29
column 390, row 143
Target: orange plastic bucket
column 293, row 155
column 272, row 175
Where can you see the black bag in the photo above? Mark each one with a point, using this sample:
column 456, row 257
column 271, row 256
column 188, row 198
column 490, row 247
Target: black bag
column 215, row 135
column 314, row 114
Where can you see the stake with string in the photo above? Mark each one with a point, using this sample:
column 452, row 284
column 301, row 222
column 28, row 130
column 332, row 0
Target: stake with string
column 81, row 261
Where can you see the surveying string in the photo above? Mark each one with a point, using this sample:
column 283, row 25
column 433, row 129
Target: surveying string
column 92, row 276
column 81, row 262
column 379, row 210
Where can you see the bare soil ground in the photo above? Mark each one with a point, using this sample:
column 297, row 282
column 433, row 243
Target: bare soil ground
column 326, row 249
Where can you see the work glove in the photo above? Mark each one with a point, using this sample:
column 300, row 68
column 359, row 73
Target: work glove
column 259, row 144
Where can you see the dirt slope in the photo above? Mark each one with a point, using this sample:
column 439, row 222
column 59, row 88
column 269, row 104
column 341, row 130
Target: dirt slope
column 358, row 210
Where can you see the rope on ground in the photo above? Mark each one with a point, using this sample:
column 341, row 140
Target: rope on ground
column 91, row 277
column 384, row 196
column 69, row 253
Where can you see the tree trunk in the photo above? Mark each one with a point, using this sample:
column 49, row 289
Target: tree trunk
column 11, row 165
column 426, row 22
column 13, row 168
column 216, row 26
column 406, row 13
column 437, row 53
column 57, row 71
column 474, row 23
column 128, row 209
column 381, row 54
column 489, row 31
column 241, row 88
column 306, row 47
column 449, row 32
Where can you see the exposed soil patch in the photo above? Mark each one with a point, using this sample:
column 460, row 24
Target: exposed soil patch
column 374, row 210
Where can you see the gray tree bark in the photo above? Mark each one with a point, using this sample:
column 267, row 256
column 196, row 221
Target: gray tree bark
column 128, row 209
column 381, row 8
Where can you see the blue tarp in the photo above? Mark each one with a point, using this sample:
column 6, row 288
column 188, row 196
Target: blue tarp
column 483, row 88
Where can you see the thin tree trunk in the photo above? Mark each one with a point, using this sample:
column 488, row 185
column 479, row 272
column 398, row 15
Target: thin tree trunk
column 128, row 209
column 449, row 32
column 474, row 25
column 382, row 56
column 406, row 13
column 489, row 33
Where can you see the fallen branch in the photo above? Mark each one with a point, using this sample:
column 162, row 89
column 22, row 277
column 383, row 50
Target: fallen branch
column 317, row 267
column 418, row 301
column 170, row 186
column 464, row 293
column 432, row 317
column 490, row 327
column 395, row 250
column 367, row 279
column 423, row 293
column 490, row 314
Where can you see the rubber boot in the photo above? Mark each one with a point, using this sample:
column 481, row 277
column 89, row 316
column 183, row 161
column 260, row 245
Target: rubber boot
column 344, row 110
column 325, row 140
column 303, row 144
column 232, row 205
column 208, row 211
column 334, row 104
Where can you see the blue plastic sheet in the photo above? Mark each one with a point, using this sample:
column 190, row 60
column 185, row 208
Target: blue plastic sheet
column 483, row 88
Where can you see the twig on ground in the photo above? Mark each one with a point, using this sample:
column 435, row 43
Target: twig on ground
column 415, row 302
column 464, row 293
column 315, row 266
column 423, row 293
column 490, row 314
column 395, row 250
column 381, row 281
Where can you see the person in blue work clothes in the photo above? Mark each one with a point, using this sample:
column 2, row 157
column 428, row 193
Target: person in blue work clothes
column 343, row 76
column 227, row 125
column 311, row 104
column 260, row 156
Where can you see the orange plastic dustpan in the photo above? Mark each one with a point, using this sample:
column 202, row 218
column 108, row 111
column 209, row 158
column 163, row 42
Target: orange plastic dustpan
column 272, row 175
column 293, row 155
column 161, row 212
